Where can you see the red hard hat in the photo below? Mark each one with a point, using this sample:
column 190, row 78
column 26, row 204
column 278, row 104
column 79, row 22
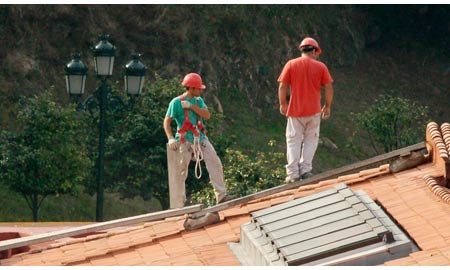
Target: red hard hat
column 193, row 80
column 310, row 42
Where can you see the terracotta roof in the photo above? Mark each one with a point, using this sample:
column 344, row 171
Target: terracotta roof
column 416, row 198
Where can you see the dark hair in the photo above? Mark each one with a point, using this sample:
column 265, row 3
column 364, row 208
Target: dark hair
column 307, row 48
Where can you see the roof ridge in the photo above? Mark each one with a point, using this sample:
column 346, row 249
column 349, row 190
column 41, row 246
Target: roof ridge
column 346, row 179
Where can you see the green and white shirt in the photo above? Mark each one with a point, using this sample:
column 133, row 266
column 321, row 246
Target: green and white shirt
column 176, row 111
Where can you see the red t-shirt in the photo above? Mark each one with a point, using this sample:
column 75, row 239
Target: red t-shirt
column 305, row 75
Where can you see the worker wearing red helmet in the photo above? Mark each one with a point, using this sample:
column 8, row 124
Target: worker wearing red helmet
column 304, row 76
column 190, row 141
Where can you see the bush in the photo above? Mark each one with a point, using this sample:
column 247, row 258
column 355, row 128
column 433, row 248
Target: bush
column 246, row 175
column 392, row 123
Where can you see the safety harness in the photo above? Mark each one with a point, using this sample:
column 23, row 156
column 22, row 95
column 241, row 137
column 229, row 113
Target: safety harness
column 188, row 126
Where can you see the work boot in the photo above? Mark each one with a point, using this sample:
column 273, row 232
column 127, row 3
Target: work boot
column 292, row 180
column 227, row 197
column 306, row 175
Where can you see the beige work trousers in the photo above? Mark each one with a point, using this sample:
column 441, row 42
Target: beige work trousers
column 302, row 138
column 178, row 165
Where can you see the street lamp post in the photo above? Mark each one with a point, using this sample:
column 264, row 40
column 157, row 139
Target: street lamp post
column 76, row 72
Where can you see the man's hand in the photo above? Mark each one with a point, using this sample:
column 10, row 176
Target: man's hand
column 185, row 104
column 283, row 109
column 173, row 144
column 326, row 113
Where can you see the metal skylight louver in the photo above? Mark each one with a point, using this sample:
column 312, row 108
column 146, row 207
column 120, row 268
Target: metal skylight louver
column 315, row 227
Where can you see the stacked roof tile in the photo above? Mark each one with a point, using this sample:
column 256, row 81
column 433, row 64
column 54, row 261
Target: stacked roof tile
column 438, row 141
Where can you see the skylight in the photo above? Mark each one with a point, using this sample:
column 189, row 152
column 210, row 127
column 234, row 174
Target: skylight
column 333, row 227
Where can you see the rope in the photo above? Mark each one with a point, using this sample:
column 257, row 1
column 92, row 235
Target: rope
column 198, row 155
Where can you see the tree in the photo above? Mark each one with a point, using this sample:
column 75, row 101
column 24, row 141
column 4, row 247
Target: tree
column 136, row 150
column 46, row 154
column 392, row 123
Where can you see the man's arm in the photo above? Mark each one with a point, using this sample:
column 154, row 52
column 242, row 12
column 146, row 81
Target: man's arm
column 202, row 112
column 282, row 94
column 329, row 91
column 167, row 127
column 171, row 142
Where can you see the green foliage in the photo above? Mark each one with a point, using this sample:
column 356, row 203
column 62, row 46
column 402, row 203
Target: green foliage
column 46, row 155
column 246, row 175
column 136, row 151
column 392, row 122
column 68, row 207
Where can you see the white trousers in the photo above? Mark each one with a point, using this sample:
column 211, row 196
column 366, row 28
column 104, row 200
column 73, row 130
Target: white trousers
column 302, row 138
column 178, row 163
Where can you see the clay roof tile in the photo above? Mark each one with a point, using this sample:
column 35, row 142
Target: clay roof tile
column 415, row 198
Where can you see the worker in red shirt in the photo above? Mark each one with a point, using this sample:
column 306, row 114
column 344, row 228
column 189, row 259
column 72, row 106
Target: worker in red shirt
column 305, row 76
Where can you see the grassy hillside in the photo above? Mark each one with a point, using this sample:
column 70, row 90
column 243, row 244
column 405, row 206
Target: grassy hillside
column 70, row 208
column 240, row 51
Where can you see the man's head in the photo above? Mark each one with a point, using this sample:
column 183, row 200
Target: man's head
column 193, row 80
column 309, row 45
column 193, row 84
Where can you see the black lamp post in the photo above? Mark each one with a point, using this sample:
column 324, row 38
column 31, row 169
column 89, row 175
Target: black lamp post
column 76, row 73
column 134, row 76
column 104, row 56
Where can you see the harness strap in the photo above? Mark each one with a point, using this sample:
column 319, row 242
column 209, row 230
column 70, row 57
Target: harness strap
column 198, row 156
column 188, row 126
